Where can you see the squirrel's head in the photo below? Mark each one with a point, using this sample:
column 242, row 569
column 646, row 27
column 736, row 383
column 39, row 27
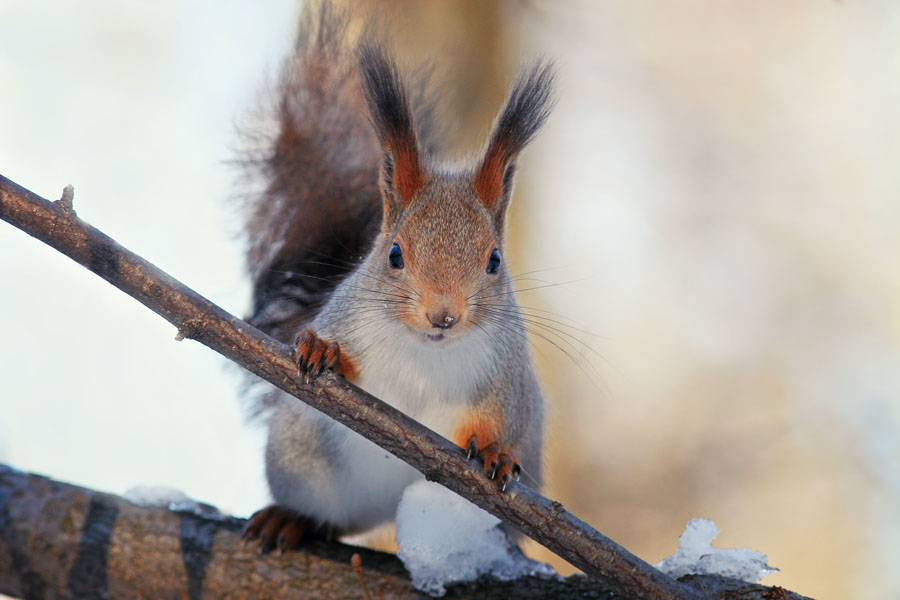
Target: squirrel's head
column 441, row 242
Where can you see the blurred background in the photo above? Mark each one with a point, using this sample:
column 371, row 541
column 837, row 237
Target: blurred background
column 711, row 219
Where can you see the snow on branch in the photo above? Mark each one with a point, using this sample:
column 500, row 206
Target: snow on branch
column 195, row 317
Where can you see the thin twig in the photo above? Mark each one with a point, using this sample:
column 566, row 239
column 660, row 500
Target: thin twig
column 356, row 562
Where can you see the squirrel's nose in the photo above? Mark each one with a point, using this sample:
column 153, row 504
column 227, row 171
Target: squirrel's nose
column 443, row 320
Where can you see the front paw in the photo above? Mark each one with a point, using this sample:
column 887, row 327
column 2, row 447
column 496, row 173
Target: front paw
column 499, row 464
column 314, row 355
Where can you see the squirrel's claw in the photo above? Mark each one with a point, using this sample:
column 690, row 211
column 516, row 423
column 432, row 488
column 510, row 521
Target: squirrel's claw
column 472, row 448
column 490, row 456
column 499, row 465
column 282, row 528
column 508, row 469
column 314, row 355
column 255, row 524
column 291, row 535
column 269, row 532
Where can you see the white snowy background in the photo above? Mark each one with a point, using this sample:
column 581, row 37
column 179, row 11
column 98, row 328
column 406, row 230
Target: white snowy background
column 720, row 180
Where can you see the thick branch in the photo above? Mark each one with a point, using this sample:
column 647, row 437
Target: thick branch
column 104, row 546
column 197, row 318
column 60, row 540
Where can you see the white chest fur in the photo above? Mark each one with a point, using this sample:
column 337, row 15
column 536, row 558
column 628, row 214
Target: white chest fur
column 432, row 382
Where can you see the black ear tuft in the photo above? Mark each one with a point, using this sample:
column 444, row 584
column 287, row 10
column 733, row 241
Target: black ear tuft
column 528, row 107
column 392, row 118
column 525, row 111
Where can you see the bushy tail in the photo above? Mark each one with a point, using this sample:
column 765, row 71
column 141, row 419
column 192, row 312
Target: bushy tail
column 318, row 208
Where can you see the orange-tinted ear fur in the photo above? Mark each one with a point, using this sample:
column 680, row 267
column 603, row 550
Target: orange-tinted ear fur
column 402, row 174
column 526, row 110
column 489, row 179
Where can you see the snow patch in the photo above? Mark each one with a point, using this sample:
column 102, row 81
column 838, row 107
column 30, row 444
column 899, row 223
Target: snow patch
column 445, row 539
column 157, row 496
column 696, row 556
column 160, row 496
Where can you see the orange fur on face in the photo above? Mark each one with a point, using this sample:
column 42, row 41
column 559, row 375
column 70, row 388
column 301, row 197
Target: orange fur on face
column 446, row 244
column 434, row 300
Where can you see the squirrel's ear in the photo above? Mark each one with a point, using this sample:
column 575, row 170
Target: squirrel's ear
column 402, row 175
column 525, row 111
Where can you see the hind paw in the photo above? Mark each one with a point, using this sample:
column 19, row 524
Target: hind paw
column 282, row 528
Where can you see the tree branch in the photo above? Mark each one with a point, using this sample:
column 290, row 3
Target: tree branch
column 60, row 540
column 56, row 224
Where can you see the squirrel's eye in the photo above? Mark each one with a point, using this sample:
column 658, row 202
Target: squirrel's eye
column 493, row 262
column 396, row 257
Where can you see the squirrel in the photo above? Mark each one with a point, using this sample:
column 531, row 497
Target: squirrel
column 386, row 266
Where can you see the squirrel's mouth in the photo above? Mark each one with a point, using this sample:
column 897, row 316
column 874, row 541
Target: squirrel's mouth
column 434, row 337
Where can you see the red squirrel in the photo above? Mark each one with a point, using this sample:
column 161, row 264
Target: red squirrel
column 387, row 266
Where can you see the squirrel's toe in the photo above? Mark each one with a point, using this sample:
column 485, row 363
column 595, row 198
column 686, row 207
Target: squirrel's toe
column 507, row 470
column 283, row 528
column 498, row 463
column 314, row 355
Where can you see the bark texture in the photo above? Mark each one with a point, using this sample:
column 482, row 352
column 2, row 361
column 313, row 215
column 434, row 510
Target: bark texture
column 60, row 540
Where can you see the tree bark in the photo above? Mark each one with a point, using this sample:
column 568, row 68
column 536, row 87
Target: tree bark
column 60, row 540
column 197, row 318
